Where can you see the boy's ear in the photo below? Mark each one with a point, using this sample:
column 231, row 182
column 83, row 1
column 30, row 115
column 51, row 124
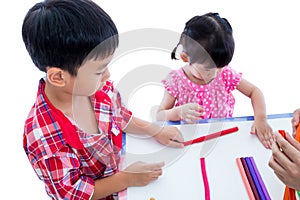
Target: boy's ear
column 56, row 77
column 184, row 57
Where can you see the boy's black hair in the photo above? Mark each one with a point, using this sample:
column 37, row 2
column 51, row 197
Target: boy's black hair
column 209, row 33
column 62, row 33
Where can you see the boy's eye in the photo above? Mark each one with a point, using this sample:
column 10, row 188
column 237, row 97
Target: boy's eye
column 101, row 72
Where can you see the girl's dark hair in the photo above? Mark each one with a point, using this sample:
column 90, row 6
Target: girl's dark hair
column 62, row 33
column 206, row 36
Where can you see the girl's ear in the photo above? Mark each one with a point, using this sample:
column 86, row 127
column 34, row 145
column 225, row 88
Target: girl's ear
column 184, row 57
column 219, row 70
column 56, row 77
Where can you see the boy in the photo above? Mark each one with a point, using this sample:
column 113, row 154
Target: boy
column 72, row 134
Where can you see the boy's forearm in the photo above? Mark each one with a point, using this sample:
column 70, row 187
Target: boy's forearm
column 172, row 114
column 139, row 126
column 107, row 186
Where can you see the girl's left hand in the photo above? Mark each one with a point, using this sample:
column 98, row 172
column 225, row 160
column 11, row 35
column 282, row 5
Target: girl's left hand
column 264, row 132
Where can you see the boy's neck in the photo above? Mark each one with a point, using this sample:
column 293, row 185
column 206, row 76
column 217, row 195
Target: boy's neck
column 77, row 108
column 59, row 98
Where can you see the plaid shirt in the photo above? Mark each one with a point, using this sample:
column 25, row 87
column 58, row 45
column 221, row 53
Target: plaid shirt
column 67, row 159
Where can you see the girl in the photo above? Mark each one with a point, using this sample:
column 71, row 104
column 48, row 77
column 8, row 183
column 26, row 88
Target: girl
column 203, row 88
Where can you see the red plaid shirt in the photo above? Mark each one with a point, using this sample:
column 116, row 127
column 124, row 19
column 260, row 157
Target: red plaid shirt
column 63, row 156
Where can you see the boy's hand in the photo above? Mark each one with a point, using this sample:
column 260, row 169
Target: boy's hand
column 141, row 173
column 190, row 112
column 166, row 135
column 264, row 132
column 169, row 136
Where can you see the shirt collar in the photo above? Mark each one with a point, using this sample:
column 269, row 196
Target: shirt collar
column 68, row 130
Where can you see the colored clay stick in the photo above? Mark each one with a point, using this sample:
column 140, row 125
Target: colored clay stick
column 289, row 194
column 292, row 194
column 205, row 179
column 255, row 180
column 286, row 195
column 211, row 136
column 282, row 133
column 298, row 133
column 263, row 187
column 245, row 179
column 251, row 182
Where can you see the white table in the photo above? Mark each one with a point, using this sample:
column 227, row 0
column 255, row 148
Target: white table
column 182, row 178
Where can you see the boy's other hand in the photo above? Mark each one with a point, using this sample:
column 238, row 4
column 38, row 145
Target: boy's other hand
column 141, row 173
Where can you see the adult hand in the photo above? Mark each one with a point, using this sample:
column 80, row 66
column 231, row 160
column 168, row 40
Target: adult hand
column 295, row 120
column 285, row 160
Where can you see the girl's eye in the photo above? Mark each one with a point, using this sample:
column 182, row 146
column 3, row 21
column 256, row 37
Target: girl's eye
column 100, row 73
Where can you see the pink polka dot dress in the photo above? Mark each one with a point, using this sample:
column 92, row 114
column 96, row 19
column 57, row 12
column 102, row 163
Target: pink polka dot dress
column 216, row 97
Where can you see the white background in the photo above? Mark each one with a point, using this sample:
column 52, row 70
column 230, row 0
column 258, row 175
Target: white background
column 267, row 40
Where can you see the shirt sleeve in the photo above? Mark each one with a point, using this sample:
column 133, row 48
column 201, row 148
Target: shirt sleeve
column 231, row 78
column 111, row 97
column 63, row 178
column 170, row 83
column 122, row 115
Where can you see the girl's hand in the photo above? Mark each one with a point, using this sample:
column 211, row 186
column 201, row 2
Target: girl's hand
column 169, row 136
column 190, row 112
column 141, row 173
column 264, row 132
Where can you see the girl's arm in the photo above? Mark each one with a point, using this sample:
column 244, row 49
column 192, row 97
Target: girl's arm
column 188, row 112
column 166, row 110
column 256, row 96
column 260, row 125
